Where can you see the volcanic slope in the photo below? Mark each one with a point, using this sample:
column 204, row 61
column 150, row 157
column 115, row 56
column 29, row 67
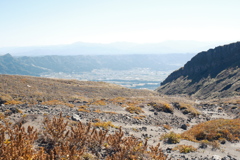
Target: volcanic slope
column 95, row 112
column 210, row 74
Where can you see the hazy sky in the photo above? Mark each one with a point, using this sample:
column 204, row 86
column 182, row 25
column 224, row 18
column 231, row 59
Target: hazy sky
column 47, row 22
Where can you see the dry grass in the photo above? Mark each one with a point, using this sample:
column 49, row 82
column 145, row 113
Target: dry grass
column 185, row 148
column 134, row 109
column 98, row 111
column 140, row 117
column 171, row 138
column 228, row 129
column 57, row 102
column 13, row 102
column 104, row 125
column 83, row 110
column 110, row 112
column 167, row 127
column 187, row 108
column 161, row 107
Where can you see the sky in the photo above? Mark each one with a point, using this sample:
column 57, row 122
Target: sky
column 53, row 22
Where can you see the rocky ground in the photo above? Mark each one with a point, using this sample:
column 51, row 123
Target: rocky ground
column 151, row 127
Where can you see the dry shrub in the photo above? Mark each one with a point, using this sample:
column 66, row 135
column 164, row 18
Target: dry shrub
column 18, row 143
column 171, row 138
column 4, row 98
column 214, row 130
column 185, row 148
column 186, row 108
column 58, row 140
column 2, row 116
column 134, row 109
column 104, row 125
column 161, row 107
column 215, row 145
column 131, row 148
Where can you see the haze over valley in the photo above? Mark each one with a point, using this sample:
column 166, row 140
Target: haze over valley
column 132, row 71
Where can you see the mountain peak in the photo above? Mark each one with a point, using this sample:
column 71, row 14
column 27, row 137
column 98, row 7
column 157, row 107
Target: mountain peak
column 8, row 55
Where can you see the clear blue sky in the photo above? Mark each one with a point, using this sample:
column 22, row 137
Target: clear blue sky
column 48, row 22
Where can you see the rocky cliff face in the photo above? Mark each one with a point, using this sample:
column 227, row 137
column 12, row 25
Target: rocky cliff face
column 214, row 73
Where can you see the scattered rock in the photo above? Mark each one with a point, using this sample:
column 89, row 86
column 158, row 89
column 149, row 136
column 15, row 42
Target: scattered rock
column 184, row 126
column 216, row 157
column 76, row 117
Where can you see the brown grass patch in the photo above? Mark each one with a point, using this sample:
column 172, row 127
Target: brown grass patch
column 185, row 148
column 214, row 130
column 134, row 109
column 57, row 102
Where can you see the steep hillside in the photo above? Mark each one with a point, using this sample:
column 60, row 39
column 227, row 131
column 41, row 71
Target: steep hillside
column 11, row 65
column 211, row 74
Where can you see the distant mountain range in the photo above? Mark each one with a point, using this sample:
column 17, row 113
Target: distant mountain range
column 211, row 74
column 10, row 65
column 118, row 48
column 84, row 63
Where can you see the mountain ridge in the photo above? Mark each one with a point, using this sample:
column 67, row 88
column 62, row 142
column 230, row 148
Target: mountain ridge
column 86, row 63
column 117, row 48
column 206, row 70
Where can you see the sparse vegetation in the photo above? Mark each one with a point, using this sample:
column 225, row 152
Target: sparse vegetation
column 13, row 102
column 161, row 107
column 166, row 126
column 186, row 108
column 99, row 102
column 5, row 97
column 185, row 148
column 83, row 108
column 104, row 125
column 171, row 138
column 134, row 109
column 36, row 90
column 140, row 117
column 58, row 140
column 57, row 102
column 98, row 111
column 109, row 112
column 214, row 130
